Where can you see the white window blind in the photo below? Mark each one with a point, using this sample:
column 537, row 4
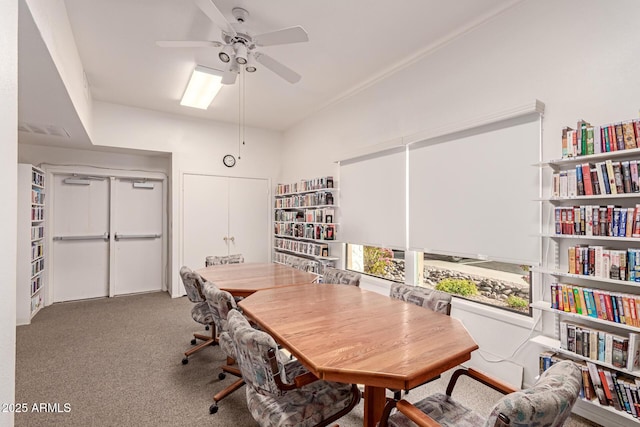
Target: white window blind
column 372, row 199
column 472, row 193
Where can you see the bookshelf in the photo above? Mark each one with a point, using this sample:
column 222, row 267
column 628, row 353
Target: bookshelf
column 30, row 263
column 590, row 279
column 305, row 224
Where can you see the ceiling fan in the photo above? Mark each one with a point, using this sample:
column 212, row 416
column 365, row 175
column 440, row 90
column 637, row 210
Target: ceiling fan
column 239, row 47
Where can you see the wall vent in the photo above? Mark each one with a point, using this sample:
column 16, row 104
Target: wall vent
column 43, row 129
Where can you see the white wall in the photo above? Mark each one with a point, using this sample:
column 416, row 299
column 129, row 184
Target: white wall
column 53, row 23
column 576, row 56
column 8, row 190
column 196, row 145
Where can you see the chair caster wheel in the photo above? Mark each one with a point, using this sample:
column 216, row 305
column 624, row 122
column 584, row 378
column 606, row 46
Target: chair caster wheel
column 206, row 328
column 222, row 376
column 213, row 409
column 193, row 341
column 185, row 361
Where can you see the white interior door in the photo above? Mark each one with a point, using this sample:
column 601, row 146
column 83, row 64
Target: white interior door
column 249, row 218
column 205, row 218
column 137, row 225
column 80, row 247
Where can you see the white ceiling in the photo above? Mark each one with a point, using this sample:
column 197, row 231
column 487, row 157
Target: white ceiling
column 351, row 43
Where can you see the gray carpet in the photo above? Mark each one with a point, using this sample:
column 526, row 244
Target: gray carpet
column 117, row 362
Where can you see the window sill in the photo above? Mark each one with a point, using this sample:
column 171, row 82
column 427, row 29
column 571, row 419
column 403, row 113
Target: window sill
column 492, row 313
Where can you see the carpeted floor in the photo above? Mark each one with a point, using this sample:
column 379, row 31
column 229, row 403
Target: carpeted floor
column 117, row 362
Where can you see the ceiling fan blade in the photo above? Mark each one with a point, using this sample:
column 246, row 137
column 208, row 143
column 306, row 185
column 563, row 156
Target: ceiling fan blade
column 230, row 74
column 283, row 71
column 210, row 9
column 187, row 43
column 286, row 35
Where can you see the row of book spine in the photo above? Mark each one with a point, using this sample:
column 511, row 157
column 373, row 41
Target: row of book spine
column 598, row 345
column 587, row 139
column 305, row 230
column 306, row 200
column 607, row 177
column 609, row 387
column 37, row 178
column 305, row 248
column 595, row 220
column 310, row 215
column 616, row 307
column 305, row 185
column 305, row 264
column 598, row 261
column 37, row 232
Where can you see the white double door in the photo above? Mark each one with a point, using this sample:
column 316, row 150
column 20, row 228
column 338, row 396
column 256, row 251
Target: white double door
column 223, row 216
column 108, row 235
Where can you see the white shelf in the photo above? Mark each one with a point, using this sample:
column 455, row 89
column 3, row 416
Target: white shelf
column 583, row 277
column 579, row 236
column 591, row 403
column 318, row 190
column 590, row 158
column 313, row 223
column 26, row 225
column 306, row 239
column 307, row 207
column 554, row 344
column 592, row 197
column 328, row 258
column 546, row 306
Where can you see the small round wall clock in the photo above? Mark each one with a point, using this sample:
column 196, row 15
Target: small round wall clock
column 229, row 161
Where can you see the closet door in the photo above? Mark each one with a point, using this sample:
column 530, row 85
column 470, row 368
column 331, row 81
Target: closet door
column 249, row 218
column 80, row 229
column 137, row 224
column 205, row 218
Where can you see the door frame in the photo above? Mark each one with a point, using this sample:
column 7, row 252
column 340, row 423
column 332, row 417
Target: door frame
column 109, row 174
column 179, row 290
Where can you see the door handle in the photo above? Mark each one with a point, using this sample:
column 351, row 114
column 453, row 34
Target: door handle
column 233, row 239
column 225, row 238
column 104, row 236
column 136, row 236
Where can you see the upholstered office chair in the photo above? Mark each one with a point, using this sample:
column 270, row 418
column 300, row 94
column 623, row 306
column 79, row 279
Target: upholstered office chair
column 548, row 403
column 335, row 275
column 201, row 312
column 221, row 302
column 280, row 393
column 432, row 299
column 227, row 259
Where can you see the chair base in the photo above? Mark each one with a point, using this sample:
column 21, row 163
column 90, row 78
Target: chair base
column 233, row 370
column 206, row 341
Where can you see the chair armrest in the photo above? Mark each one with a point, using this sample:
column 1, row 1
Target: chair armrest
column 304, row 379
column 415, row 414
column 493, row 383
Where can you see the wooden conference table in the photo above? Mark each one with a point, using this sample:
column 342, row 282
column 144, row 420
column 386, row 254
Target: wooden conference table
column 242, row 280
column 345, row 334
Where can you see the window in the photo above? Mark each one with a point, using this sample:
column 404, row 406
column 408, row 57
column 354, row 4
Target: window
column 374, row 261
column 499, row 284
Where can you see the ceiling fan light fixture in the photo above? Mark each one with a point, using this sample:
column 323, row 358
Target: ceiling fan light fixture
column 251, row 64
column 241, row 53
column 203, row 86
column 226, row 53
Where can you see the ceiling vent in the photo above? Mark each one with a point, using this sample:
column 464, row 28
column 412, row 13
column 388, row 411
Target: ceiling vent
column 43, row 129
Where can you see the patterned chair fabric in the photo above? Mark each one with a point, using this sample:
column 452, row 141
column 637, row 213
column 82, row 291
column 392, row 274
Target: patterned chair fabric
column 228, row 259
column 219, row 302
column 310, row 405
column 335, row 275
column 547, row 404
column 432, row 299
column 191, row 281
column 201, row 312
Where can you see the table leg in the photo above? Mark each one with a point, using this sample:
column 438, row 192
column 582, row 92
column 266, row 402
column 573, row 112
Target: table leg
column 374, row 400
